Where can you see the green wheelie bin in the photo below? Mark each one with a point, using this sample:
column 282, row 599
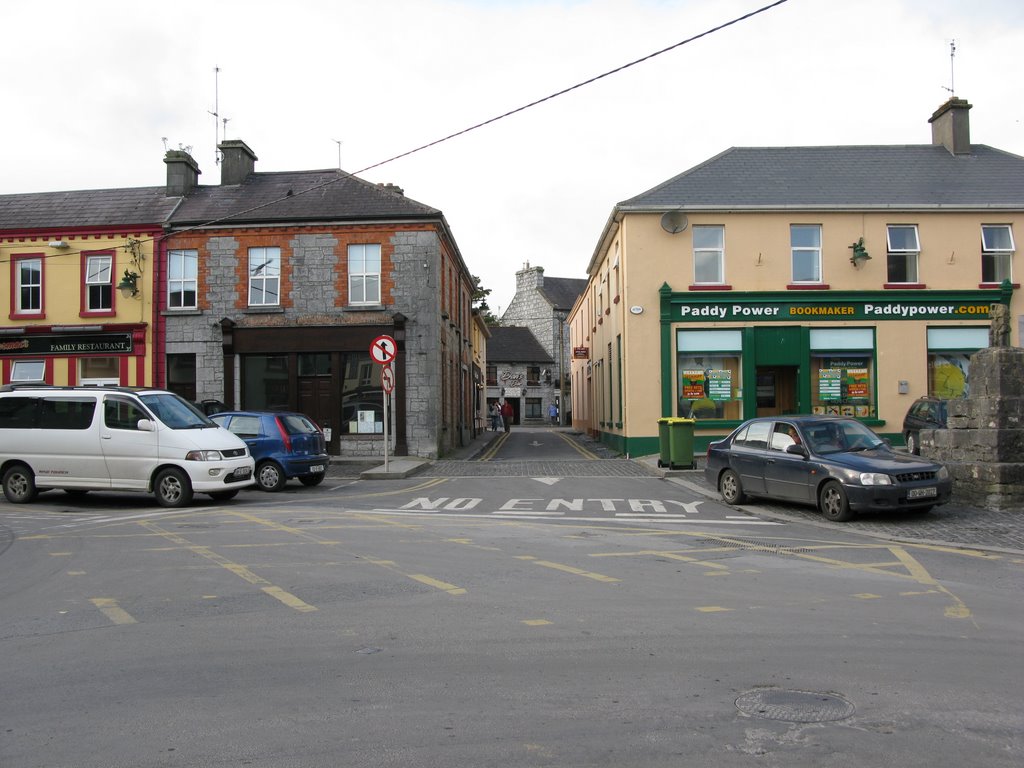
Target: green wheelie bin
column 675, row 443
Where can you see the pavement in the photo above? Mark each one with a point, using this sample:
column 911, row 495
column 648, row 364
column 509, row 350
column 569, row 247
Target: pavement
column 950, row 525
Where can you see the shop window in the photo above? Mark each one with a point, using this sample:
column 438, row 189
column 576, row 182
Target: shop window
column 364, row 274
column 362, row 403
column 28, row 370
column 805, row 245
column 99, row 371
column 264, row 277
column 265, row 383
column 315, row 364
column 534, row 408
column 903, row 250
column 181, row 375
column 709, row 255
column 996, row 253
column 28, row 285
column 843, row 372
column 182, row 279
column 708, row 370
column 99, row 290
column 949, row 359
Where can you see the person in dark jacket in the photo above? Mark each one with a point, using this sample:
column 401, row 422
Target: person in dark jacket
column 507, row 413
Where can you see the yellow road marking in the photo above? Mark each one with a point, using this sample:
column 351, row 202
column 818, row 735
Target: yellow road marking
column 868, row 596
column 289, row 599
column 576, row 571
column 536, row 622
column 60, row 554
column 583, row 451
column 713, row 609
column 491, row 452
column 444, row 586
column 112, row 610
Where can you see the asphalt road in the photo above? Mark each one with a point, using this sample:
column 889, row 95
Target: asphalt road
column 469, row 618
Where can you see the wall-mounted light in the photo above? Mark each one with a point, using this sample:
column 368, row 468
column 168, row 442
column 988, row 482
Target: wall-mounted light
column 58, row 244
column 860, row 253
column 129, row 285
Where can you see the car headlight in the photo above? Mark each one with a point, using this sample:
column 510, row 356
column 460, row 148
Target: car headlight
column 874, row 478
column 943, row 473
column 203, row 456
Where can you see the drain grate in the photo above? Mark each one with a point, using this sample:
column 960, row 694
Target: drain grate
column 794, row 706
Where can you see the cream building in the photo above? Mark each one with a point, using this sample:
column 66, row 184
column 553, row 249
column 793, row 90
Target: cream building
column 846, row 280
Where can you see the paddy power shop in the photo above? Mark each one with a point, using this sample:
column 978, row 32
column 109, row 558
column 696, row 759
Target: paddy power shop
column 733, row 356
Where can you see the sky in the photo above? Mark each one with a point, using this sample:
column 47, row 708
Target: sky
column 92, row 93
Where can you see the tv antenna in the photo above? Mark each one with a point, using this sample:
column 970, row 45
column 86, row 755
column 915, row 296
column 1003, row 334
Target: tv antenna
column 217, row 137
column 952, row 70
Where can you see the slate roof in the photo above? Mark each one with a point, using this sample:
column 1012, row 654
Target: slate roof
column 562, row 292
column 292, row 196
column 514, row 344
column 843, row 177
column 54, row 211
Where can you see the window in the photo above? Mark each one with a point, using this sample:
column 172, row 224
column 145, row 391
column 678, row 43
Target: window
column 996, row 253
column 492, row 375
column 903, row 250
column 122, row 414
column 99, row 290
column 843, row 372
column 533, row 408
column 265, row 383
column 183, row 278
column 181, row 375
column 28, row 285
column 805, row 243
column 28, row 370
column 264, row 277
column 949, row 359
column 708, row 254
column 364, row 274
column 532, row 375
column 709, row 371
column 99, row 370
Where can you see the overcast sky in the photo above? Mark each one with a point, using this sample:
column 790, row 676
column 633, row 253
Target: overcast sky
column 89, row 90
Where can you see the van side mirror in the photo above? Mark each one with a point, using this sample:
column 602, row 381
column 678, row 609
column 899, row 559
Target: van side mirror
column 145, row 425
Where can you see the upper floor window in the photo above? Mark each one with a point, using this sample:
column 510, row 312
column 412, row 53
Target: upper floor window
column 996, row 253
column 364, row 273
column 28, row 285
column 264, row 277
column 99, row 290
column 709, row 254
column 805, row 246
column 182, row 279
column 903, row 249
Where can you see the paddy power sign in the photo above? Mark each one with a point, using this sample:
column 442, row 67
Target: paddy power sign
column 727, row 311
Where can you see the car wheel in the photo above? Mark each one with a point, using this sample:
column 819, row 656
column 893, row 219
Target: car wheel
column 270, row 476
column 912, row 445
column 833, row 503
column 731, row 488
column 172, row 488
column 312, row 480
column 224, row 495
column 19, row 484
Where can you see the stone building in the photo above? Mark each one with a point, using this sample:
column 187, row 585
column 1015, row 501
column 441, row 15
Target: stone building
column 542, row 304
column 519, row 371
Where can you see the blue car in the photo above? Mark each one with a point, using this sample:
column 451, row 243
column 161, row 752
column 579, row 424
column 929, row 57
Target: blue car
column 832, row 462
column 284, row 445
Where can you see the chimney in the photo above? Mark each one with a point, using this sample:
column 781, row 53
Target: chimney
column 182, row 173
column 529, row 278
column 389, row 187
column 237, row 161
column 951, row 127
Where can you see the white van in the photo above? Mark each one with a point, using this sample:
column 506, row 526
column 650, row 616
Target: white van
column 115, row 439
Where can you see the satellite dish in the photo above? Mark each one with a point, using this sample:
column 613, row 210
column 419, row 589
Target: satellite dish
column 674, row 222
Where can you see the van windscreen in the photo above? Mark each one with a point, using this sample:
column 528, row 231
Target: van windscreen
column 175, row 412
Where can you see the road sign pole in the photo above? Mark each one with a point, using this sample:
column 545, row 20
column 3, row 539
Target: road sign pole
column 387, row 420
column 383, row 351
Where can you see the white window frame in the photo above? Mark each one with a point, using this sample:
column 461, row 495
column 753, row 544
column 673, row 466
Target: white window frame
column 711, row 255
column 908, row 256
column 802, row 250
column 265, row 276
column 99, row 381
column 1002, row 258
column 99, row 276
column 22, row 286
column 363, row 282
column 28, row 370
column 182, row 277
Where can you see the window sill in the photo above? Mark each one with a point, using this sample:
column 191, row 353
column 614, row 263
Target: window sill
column 366, row 308
column 992, row 286
column 263, row 311
column 808, row 287
column 904, row 286
column 710, row 287
column 27, row 316
column 183, row 312
column 103, row 313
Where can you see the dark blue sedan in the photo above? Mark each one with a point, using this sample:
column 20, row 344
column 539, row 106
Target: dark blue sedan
column 834, row 463
column 284, row 445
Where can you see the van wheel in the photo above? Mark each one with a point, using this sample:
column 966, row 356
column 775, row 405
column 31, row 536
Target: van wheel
column 731, row 488
column 270, row 476
column 19, row 484
column 833, row 503
column 312, row 480
column 172, row 488
column 912, row 444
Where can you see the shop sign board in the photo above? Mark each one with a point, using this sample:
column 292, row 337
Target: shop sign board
column 829, row 310
column 66, row 344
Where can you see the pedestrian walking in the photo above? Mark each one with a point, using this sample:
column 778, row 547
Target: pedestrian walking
column 495, row 416
column 553, row 414
column 507, row 414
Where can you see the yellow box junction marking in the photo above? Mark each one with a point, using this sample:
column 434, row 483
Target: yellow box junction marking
column 444, row 586
column 112, row 610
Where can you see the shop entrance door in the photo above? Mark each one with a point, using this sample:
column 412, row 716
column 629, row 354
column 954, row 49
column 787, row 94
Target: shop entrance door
column 776, row 390
column 316, row 402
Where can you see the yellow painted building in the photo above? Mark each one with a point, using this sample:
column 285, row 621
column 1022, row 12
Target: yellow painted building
column 80, row 269
column 845, row 280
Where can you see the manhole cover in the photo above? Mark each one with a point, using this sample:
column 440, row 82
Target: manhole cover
column 794, row 706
